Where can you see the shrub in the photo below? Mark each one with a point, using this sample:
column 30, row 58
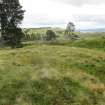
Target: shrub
column 50, row 35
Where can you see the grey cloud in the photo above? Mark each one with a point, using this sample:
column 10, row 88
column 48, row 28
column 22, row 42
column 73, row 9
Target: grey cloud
column 34, row 20
column 82, row 2
column 96, row 19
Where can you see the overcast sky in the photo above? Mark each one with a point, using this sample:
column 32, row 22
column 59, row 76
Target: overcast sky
column 57, row 13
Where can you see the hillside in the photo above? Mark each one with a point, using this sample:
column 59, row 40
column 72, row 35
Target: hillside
column 87, row 40
column 41, row 74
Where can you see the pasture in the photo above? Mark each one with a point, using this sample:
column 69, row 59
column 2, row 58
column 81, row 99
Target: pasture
column 54, row 73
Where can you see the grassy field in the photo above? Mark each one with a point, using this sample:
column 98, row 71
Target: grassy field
column 61, row 73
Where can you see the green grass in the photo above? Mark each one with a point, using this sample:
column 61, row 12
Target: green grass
column 96, row 42
column 92, row 43
column 43, row 74
column 60, row 72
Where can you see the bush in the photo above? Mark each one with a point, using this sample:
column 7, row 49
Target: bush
column 13, row 37
column 50, row 35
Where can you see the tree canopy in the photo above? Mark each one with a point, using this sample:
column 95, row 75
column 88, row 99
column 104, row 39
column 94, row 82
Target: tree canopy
column 10, row 18
column 50, row 35
column 70, row 27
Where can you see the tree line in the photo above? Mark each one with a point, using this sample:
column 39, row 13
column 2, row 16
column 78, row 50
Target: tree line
column 68, row 33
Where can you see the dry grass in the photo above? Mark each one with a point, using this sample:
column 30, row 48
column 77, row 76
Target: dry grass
column 73, row 75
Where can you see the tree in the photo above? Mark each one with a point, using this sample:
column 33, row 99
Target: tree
column 69, row 32
column 50, row 35
column 70, row 28
column 10, row 18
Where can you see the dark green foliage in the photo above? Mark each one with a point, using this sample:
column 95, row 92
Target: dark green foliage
column 11, row 16
column 13, row 37
column 50, row 35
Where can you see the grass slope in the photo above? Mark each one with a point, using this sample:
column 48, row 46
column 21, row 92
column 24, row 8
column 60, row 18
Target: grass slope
column 96, row 42
column 92, row 43
column 52, row 75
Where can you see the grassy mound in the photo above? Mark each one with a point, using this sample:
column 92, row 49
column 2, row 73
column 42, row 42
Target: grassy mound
column 90, row 42
column 97, row 43
column 52, row 75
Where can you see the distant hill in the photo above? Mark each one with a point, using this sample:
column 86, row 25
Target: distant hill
column 92, row 30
